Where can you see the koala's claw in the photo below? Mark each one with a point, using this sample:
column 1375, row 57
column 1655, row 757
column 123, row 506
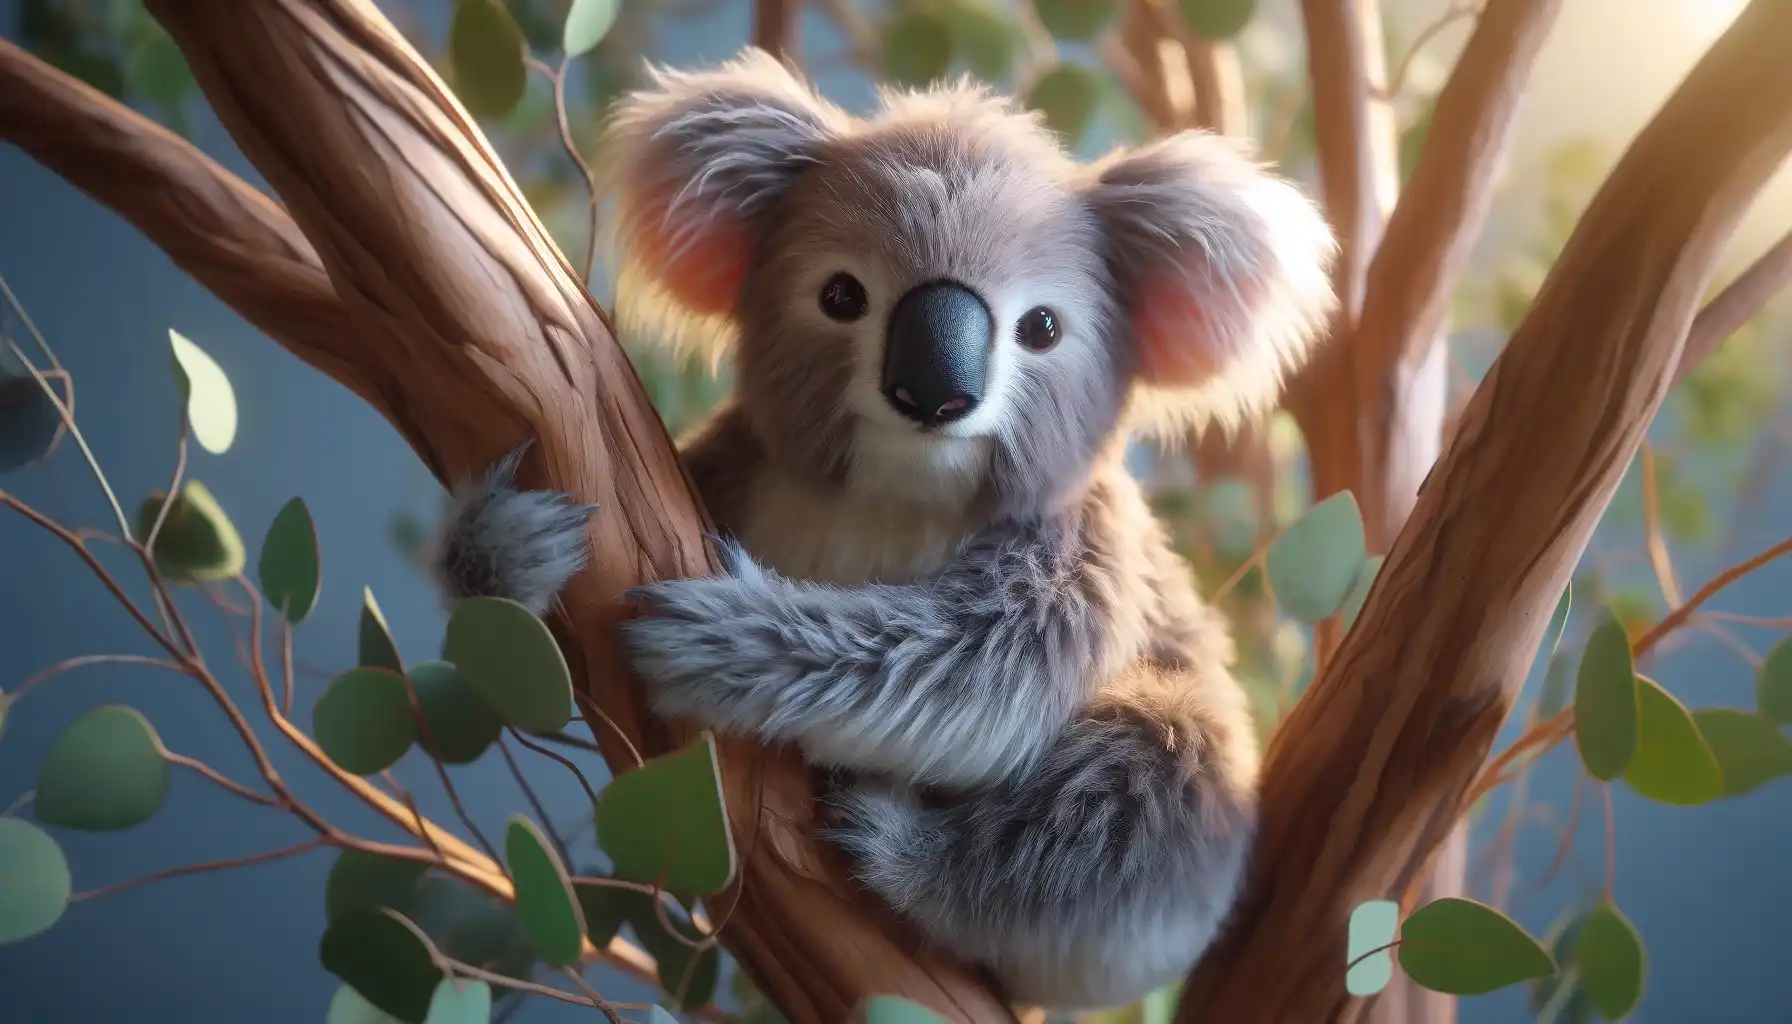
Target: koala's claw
column 502, row 542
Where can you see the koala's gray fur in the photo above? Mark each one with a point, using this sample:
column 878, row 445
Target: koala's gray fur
column 1052, row 770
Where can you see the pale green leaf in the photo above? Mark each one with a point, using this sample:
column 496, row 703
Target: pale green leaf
column 1373, row 926
column 35, row 884
column 1315, row 563
column 587, row 22
column 209, row 398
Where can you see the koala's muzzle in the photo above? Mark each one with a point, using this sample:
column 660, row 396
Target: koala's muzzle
column 936, row 352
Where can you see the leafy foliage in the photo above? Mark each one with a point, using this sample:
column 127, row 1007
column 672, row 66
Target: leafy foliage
column 29, row 423
column 692, row 852
column 485, row 46
column 1605, row 702
column 104, row 773
column 1467, row 948
column 35, row 884
column 1314, row 565
column 1671, row 764
column 197, row 541
column 364, row 721
column 289, row 570
column 544, row 896
column 511, row 661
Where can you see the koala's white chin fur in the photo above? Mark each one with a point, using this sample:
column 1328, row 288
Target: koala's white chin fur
column 903, row 464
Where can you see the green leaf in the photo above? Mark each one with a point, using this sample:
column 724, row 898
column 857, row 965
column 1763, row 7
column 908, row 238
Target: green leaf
column 1609, row 956
column 1773, row 687
column 664, row 823
column 1217, row 19
column 917, row 47
column 363, row 721
column 197, row 541
column 1605, row 702
column 604, row 910
column 983, row 38
column 1465, row 948
column 485, row 49
column 1359, row 592
column 587, row 22
column 155, row 68
column 377, row 648
column 209, row 398
column 1672, row 764
column 1373, row 925
column 688, row 976
column 1558, row 622
column 509, row 658
column 349, row 1007
column 660, row 1015
column 1750, row 750
column 29, row 422
column 35, row 884
column 384, row 960
column 1314, row 564
column 104, row 773
column 1559, row 998
column 289, row 570
column 460, row 724
column 544, row 897
column 1067, row 95
column 1076, row 19
column 895, row 1010
column 368, row 881
column 460, row 1002
column 469, row 925
column 1556, row 677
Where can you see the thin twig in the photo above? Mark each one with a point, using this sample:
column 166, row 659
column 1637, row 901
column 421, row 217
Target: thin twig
column 155, row 528
column 195, row 869
column 1611, row 842
column 410, row 801
column 105, row 577
column 1736, row 305
column 1567, row 841
column 590, row 793
column 286, row 664
column 429, row 748
column 17, row 802
column 1750, row 620
column 74, row 431
column 590, row 705
column 1677, row 618
column 522, row 781
column 1457, row 11
column 84, row 660
column 557, row 76
column 223, row 781
column 1659, row 559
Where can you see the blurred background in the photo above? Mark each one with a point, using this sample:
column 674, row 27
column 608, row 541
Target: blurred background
column 1706, row 886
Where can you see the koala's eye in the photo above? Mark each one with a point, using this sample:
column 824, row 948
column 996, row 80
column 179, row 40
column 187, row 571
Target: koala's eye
column 1038, row 330
column 843, row 298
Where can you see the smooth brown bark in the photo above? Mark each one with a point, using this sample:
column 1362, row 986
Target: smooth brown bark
column 1369, row 772
column 419, row 277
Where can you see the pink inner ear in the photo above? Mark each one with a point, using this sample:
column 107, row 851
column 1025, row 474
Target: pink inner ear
column 1178, row 342
column 703, row 266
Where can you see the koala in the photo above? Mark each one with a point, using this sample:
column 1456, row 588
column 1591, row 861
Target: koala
column 941, row 582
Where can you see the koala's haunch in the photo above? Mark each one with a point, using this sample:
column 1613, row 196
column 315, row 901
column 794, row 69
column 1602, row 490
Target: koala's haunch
column 940, row 577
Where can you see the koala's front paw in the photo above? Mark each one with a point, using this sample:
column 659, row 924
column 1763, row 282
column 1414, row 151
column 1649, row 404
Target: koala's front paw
column 502, row 542
column 705, row 648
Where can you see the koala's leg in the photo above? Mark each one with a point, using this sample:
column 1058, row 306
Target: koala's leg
column 1090, row 882
column 498, row 541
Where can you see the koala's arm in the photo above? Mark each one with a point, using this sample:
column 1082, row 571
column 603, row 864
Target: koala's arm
column 954, row 681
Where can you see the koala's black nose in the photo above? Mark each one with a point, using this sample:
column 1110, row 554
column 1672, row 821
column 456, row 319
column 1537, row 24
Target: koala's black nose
column 936, row 353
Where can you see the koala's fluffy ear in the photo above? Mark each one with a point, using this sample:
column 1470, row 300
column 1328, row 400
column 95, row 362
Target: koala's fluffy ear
column 1223, row 269
column 694, row 158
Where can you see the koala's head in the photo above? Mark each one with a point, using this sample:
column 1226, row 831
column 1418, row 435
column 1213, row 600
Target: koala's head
column 936, row 303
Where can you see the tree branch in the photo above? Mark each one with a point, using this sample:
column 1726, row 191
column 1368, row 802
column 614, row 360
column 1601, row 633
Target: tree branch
column 1365, row 777
column 1736, row 305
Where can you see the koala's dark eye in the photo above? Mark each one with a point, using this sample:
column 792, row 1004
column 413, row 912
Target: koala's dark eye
column 1038, row 330
column 843, row 298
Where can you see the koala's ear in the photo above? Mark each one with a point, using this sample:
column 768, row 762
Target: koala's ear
column 1223, row 269
column 694, row 157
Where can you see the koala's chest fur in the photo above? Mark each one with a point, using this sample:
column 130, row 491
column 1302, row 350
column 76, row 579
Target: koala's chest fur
column 832, row 536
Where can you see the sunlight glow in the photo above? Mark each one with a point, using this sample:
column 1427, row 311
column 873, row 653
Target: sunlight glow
column 1713, row 16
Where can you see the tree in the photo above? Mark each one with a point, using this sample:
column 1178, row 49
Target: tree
column 366, row 277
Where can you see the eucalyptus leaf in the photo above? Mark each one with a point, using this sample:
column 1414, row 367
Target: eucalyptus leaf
column 461, row 725
column 509, row 658
column 1076, row 19
column 384, row 960
column 587, row 22
column 1217, row 19
column 1067, row 96
column 368, row 881
column 1605, row 702
column 895, row 1010
column 1465, row 948
column 460, row 1002
column 35, row 884
column 545, row 902
column 485, row 49
column 916, row 47
column 104, row 773
column 1773, row 685
column 289, row 569
column 1365, row 581
column 209, row 398
column 665, row 823
column 1558, row 622
column 1373, row 926
column 29, row 422
column 350, row 1007
column 363, row 722
column 1313, row 566
column 1672, row 764
column 1558, row 676
column 1751, row 751
column 197, row 541
column 377, row 649
column 983, row 38
column 1611, row 962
